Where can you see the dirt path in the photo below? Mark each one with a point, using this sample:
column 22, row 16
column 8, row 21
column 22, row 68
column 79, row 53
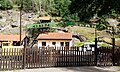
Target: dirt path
column 71, row 69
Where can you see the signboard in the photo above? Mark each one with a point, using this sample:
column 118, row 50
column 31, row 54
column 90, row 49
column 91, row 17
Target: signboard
column 41, row 25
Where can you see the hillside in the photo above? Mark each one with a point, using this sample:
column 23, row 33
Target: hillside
column 69, row 11
column 10, row 21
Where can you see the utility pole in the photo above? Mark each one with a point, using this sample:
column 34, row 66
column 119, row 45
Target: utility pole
column 21, row 20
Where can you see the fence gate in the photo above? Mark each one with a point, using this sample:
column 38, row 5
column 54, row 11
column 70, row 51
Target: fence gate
column 59, row 57
column 108, row 56
column 104, row 56
column 117, row 56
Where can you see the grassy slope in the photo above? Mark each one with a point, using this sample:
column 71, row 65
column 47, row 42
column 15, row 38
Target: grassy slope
column 88, row 32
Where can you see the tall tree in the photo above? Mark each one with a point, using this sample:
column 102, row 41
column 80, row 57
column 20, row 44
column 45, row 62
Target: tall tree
column 6, row 4
column 86, row 9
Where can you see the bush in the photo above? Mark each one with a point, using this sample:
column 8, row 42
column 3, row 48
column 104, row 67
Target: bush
column 6, row 4
column 79, row 44
column 65, row 24
column 101, row 27
column 105, row 45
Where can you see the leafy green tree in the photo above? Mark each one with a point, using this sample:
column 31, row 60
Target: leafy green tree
column 86, row 9
column 6, row 4
column 59, row 8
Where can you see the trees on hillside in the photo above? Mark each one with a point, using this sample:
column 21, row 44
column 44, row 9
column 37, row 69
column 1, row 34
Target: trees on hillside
column 86, row 9
column 6, row 4
column 67, row 9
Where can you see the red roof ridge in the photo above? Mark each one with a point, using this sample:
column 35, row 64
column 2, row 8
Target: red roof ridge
column 55, row 35
column 11, row 37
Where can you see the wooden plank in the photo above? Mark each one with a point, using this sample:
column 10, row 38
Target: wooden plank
column 90, row 56
column 1, row 59
column 7, row 60
column 75, row 56
column 105, row 56
column 37, row 59
column 108, row 56
column 41, row 57
column 68, row 57
column 19, row 59
column 55, row 56
column 79, row 57
column 4, row 60
column 62, row 63
column 29, row 57
column 33, row 58
column 14, row 58
column 65, row 55
column 47, row 57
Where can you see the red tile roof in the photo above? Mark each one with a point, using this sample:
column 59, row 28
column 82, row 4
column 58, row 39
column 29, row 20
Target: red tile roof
column 55, row 36
column 11, row 37
column 44, row 18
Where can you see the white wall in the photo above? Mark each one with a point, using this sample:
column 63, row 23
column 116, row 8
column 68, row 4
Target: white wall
column 49, row 42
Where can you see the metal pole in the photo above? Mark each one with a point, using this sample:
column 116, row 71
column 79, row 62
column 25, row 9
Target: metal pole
column 113, row 44
column 96, row 52
column 95, row 32
column 113, row 59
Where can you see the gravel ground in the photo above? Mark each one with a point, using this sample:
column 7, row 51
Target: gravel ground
column 71, row 69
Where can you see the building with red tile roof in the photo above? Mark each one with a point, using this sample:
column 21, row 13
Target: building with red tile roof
column 55, row 36
column 55, row 39
column 11, row 37
column 14, row 39
column 44, row 18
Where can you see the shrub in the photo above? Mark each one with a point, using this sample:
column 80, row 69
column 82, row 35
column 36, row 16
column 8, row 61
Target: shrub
column 6, row 4
column 79, row 44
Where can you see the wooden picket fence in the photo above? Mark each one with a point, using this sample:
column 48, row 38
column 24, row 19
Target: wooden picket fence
column 11, row 59
column 57, row 57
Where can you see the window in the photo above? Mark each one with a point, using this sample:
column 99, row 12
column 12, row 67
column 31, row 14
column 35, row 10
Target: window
column 5, row 44
column 53, row 43
column 61, row 43
column 0, row 44
column 67, row 44
column 43, row 43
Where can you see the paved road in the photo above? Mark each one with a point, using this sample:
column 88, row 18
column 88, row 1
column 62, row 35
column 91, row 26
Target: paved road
column 71, row 69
